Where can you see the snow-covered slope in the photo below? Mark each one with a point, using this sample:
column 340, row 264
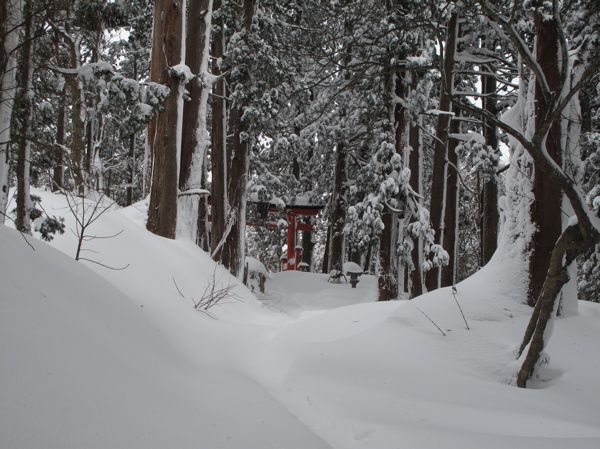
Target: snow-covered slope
column 84, row 366
column 381, row 375
column 93, row 357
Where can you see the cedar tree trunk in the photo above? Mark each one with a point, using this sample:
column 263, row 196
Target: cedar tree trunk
column 162, row 211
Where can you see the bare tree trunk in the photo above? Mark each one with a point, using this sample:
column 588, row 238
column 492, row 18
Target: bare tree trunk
column 338, row 211
column 162, row 211
column 569, row 245
column 415, row 165
column 388, row 260
column 131, row 176
column 219, row 206
column 387, row 280
column 325, row 265
column 195, row 138
column 58, row 170
column 203, row 239
column 77, row 133
column 235, row 244
column 489, row 193
column 546, row 208
column 23, row 222
column 194, row 130
column 451, row 208
column 9, row 41
column 438, row 181
column 157, row 67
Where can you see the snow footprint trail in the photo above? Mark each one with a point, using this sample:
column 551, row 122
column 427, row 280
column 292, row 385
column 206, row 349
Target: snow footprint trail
column 381, row 376
column 299, row 294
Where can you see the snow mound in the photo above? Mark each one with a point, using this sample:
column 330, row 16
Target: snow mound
column 84, row 365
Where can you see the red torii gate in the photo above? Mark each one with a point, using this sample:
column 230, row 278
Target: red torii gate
column 293, row 211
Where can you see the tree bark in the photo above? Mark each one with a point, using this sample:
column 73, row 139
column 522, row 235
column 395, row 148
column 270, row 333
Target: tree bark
column 162, row 211
column 23, row 222
column 546, row 207
column 415, row 165
column 77, row 133
column 129, row 199
column 235, row 243
column 388, row 260
column 203, row 237
column 195, row 138
column 194, row 134
column 9, row 40
column 58, row 170
column 387, row 280
column 325, row 265
column 438, row 180
column 451, row 209
column 338, row 211
column 569, row 245
column 219, row 206
column 489, row 194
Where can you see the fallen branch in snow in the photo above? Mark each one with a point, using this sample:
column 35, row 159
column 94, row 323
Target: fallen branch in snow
column 177, row 287
column 211, row 295
column 103, row 265
column 433, row 322
column 459, row 307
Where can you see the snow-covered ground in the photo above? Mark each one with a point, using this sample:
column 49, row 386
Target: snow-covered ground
column 92, row 357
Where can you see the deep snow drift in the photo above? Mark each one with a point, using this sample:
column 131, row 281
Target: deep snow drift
column 97, row 358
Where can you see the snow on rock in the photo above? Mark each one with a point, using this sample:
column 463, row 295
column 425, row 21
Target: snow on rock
column 255, row 266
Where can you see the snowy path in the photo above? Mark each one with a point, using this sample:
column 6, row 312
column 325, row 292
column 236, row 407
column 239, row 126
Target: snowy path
column 121, row 360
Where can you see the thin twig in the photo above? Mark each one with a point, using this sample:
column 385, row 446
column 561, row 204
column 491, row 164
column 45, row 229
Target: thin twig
column 459, row 307
column 178, row 289
column 103, row 265
column 433, row 322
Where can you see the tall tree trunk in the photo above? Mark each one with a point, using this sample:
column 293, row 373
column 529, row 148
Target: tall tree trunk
column 9, row 41
column 23, row 222
column 388, row 260
column 325, row 265
column 195, row 138
column 338, row 211
column 235, row 243
column 438, row 181
column 195, row 134
column 546, row 208
column 416, row 183
column 451, row 209
column 157, row 67
column 58, row 170
column 77, row 133
column 162, row 211
column 219, row 205
column 387, row 280
column 203, row 237
column 131, row 175
column 416, row 163
column 489, row 194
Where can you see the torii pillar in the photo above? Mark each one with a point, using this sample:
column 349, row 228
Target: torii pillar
column 291, row 243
